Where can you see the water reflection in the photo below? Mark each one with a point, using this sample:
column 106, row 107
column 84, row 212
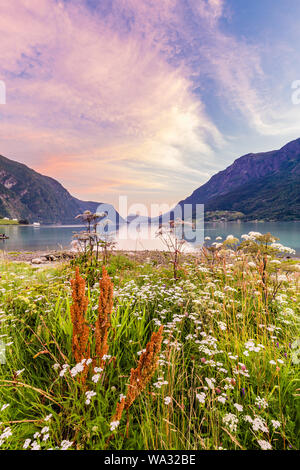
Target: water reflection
column 30, row 238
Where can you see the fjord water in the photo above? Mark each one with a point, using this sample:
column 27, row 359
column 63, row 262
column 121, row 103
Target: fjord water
column 48, row 237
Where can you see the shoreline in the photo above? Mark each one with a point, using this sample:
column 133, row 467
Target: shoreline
column 51, row 257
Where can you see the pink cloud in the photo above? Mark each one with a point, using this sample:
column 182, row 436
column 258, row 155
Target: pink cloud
column 106, row 107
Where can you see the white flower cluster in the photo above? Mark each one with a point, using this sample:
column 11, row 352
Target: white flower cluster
column 261, row 402
column 283, row 249
column 114, row 425
column 4, row 435
column 80, row 367
column 89, row 394
column 201, row 397
column 231, row 421
column 264, row 445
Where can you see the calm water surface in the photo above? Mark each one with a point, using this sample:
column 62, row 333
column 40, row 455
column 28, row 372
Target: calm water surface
column 30, row 238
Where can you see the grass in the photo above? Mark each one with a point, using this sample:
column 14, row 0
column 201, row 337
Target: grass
column 228, row 374
column 8, row 222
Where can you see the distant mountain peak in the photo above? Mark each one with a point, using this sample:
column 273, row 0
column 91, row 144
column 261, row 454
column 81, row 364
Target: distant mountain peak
column 26, row 194
column 270, row 180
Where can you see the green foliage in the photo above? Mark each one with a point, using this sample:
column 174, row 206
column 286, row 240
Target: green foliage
column 221, row 342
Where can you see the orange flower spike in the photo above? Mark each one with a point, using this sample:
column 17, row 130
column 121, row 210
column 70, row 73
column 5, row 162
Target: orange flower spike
column 78, row 310
column 103, row 324
column 145, row 369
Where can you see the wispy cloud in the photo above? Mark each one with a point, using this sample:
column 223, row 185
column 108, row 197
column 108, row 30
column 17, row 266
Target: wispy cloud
column 110, row 98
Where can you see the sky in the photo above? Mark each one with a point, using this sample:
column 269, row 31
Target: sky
column 145, row 98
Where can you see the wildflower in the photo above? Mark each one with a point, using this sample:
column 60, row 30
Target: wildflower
column 66, row 444
column 275, row 424
column 26, row 443
column 264, row 445
column 261, row 402
column 89, row 394
column 77, row 369
column 35, row 446
column 105, row 357
column 259, row 424
column 230, row 420
column 210, row 382
column 201, row 397
column 222, row 325
column 64, row 370
column 167, row 400
column 48, row 417
column 45, row 429
column 4, row 407
column 5, row 434
column 222, row 398
column 114, row 425
column 96, row 378
column 238, row 407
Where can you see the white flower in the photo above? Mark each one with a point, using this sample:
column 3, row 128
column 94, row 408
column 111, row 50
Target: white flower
column 89, row 394
column 4, row 407
column 114, row 425
column 26, row 443
column 201, row 397
column 65, row 444
column 167, row 400
column 64, row 370
column 96, row 378
column 238, row 407
column 261, row 402
column 210, row 382
column 105, row 357
column 264, row 445
column 275, row 424
column 45, row 429
column 230, row 420
column 259, row 424
column 48, row 417
column 35, row 446
column 222, row 325
column 221, row 399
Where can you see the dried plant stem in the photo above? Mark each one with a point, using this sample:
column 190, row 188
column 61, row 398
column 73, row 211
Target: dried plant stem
column 140, row 376
column 104, row 313
column 80, row 338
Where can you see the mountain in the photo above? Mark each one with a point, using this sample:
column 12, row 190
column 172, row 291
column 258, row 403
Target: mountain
column 26, row 194
column 261, row 186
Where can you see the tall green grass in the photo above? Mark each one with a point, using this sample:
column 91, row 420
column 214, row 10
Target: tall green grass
column 217, row 327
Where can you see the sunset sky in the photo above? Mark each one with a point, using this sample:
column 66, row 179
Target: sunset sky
column 145, row 98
